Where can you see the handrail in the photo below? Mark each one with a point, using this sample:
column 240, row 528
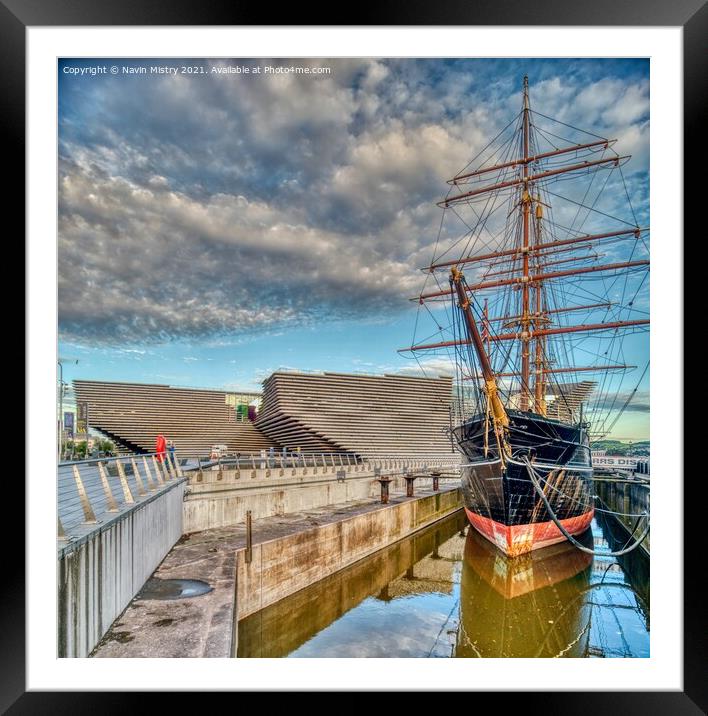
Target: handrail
column 107, row 458
column 101, row 498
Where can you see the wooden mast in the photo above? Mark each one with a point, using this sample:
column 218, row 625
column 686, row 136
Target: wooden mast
column 525, row 209
column 490, row 382
column 538, row 321
column 533, row 322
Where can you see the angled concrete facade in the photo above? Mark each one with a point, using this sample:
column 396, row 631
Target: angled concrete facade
column 133, row 414
column 365, row 414
column 371, row 415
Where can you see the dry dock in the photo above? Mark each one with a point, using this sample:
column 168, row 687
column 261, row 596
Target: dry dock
column 288, row 553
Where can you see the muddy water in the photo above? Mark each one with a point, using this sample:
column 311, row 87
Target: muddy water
column 448, row 592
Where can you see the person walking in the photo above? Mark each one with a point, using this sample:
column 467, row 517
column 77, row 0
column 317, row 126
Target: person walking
column 171, row 448
column 160, row 445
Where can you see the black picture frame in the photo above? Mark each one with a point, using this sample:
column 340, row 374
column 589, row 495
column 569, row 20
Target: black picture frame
column 691, row 15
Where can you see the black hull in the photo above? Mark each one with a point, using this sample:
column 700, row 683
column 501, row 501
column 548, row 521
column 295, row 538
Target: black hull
column 499, row 496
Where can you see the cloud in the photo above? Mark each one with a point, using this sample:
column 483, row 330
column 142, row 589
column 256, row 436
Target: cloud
column 639, row 402
column 199, row 207
column 428, row 367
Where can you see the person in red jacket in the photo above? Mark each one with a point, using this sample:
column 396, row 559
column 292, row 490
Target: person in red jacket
column 160, row 446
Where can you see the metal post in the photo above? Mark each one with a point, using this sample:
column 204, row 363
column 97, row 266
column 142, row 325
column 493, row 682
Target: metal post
column 89, row 515
column 127, row 494
column 384, row 482
column 170, row 465
column 436, row 481
column 61, row 405
column 112, row 507
column 158, row 472
column 249, row 537
column 138, row 479
column 178, row 468
column 148, row 476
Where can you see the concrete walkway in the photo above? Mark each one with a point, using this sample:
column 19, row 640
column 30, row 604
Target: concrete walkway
column 202, row 626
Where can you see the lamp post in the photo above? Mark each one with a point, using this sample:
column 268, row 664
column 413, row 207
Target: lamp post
column 61, row 403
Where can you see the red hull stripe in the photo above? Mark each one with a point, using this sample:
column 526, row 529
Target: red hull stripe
column 518, row 539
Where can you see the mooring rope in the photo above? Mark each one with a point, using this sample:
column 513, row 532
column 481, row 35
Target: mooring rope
column 568, row 497
column 534, row 481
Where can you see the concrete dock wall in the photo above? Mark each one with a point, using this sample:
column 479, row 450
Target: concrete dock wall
column 628, row 498
column 99, row 574
column 278, row 630
column 220, row 498
column 283, row 566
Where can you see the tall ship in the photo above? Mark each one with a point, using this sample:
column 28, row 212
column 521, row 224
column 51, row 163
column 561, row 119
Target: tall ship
column 537, row 295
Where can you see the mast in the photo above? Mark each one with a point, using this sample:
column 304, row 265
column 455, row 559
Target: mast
column 539, row 319
column 526, row 206
column 520, row 258
column 490, row 381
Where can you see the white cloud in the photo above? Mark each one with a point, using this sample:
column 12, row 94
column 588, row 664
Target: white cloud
column 234, row 205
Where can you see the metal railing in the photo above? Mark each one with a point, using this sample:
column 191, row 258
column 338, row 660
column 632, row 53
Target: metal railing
column 282, row 459
column 90, row 488
column 336, row 463
column 255, row 461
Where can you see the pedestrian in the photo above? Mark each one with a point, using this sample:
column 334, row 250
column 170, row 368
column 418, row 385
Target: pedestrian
column 171, row 448
column 160, row 446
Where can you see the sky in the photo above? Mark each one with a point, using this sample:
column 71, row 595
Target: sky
column 215, row 225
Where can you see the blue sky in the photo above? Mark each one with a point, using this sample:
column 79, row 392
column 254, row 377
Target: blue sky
column 214, row 227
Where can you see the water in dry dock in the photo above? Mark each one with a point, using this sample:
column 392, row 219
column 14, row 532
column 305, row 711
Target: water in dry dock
column 448, row 592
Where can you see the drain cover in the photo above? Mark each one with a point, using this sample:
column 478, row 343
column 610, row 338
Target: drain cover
column 173, row 588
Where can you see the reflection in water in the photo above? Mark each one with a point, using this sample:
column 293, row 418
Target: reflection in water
column 448, row 592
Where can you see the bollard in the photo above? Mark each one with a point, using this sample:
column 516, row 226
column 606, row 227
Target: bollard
column 249, row 538
column 410, row 479
column 436, row 481
column 384, row 482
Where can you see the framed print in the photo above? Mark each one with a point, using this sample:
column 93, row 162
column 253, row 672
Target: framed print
column 345, row 331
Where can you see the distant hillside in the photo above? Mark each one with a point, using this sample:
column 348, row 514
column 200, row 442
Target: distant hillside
column 617, row 447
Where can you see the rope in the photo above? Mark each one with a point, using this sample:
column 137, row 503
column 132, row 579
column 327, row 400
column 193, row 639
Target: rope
column 594, row 497
column 534, row 481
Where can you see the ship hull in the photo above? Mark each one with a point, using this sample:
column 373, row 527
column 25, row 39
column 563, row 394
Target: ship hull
column 500, row 499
